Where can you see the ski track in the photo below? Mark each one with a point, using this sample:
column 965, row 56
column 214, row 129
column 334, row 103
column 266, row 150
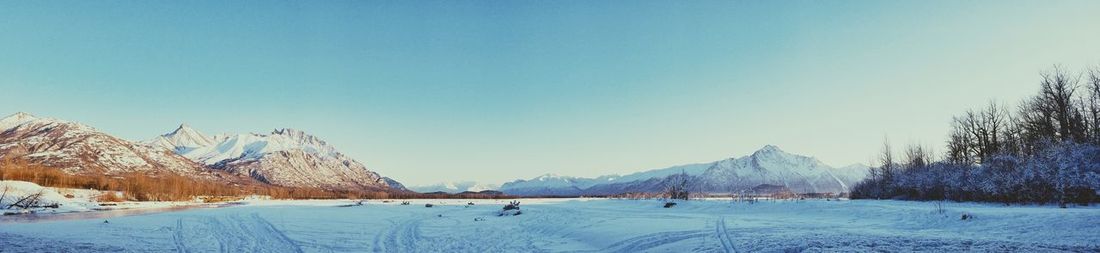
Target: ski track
column 724, row 237
column 275, row 233
column 401, row 237
column 232, row 233
column 406, row 234
column 653, row 240
column 177, row 237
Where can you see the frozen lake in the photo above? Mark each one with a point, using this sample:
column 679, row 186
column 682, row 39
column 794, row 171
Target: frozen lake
column 569, row 225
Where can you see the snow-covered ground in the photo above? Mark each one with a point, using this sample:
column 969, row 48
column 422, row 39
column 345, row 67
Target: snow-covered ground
column 69, row 200
column 570, row 225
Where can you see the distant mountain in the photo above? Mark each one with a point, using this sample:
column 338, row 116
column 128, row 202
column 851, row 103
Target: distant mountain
column 183, row 140
column 553, row 184
column 454, row 187
column 770, row 165
column 285, row 157
column 767, row 166
column 79, row 149
column 393, row 184
column 549, row 184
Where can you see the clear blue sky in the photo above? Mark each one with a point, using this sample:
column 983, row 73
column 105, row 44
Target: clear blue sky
column 429, row 91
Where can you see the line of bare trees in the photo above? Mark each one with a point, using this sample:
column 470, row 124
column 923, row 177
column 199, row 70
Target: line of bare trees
column 1045, row 151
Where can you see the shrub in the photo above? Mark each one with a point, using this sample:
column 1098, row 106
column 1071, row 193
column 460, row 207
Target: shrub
column 109, row 197
column 514, row 205
column 511, row 209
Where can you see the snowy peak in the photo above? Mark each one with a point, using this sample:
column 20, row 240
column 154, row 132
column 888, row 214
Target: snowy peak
column 182, row 129
column 302, row 139
column 26, row 120
column 295, row 134
column 773, row 152
column 767, row 149
column 182, row 140
column 771, row 165
column 16, row 119
column 772, row 155
column 19, row 116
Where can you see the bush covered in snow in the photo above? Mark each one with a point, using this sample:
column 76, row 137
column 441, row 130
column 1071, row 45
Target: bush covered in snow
column 511, row 209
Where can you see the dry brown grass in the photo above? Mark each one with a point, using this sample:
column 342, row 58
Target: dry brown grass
column 136, row 186
column 170, row 187
column 220, row 199
column 109, row 197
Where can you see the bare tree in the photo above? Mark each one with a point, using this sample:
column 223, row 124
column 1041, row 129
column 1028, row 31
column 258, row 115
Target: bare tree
column 676, row 186
column 1091, row 105
column 887, row 159
column 26, row 202
column 3, row 195
column 1056, row 95
column 978, row 135
column 916, row 156
column 958, row 144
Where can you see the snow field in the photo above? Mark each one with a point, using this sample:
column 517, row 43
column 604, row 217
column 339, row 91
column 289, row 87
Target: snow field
column 575, row 225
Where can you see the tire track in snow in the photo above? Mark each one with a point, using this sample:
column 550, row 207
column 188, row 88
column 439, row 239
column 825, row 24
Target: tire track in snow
column 177, row 237
column 650, row 241
column 402, row 237
column 220, row 233
column 378, row 247
column 235, row 234
column 260, row 237
column 723, row 236
column 274, row 233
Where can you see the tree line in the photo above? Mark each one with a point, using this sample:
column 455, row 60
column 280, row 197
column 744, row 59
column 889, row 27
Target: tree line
column 171, row 187
column 1045, row 150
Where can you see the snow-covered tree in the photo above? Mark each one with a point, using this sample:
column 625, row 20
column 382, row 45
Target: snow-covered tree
column 1047, row 152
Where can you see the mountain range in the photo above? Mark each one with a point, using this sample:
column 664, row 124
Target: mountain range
column 769, row 166
column 79, row 149
column 294, row 158
column 454, row 187
column 284, row 157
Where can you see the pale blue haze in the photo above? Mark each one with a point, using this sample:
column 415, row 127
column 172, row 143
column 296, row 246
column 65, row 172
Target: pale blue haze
column 429, row 91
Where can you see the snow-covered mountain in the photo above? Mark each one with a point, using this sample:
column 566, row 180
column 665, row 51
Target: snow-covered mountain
column 454, row 187
column 286, row 157
column 79, row 149
column 553, row 184
column 183, row 140
column 769, row 165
